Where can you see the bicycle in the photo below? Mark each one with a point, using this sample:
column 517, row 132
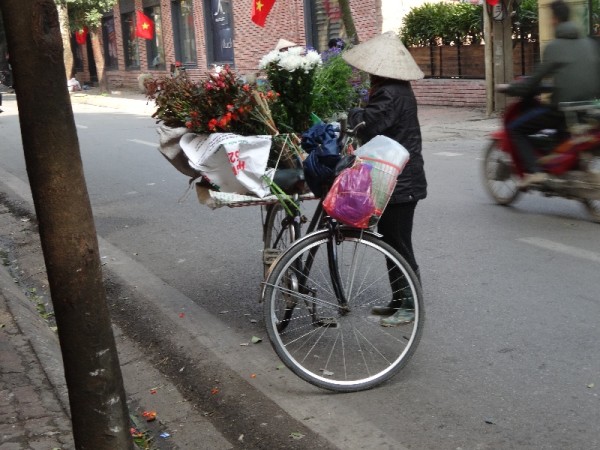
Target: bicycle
column 318, row 295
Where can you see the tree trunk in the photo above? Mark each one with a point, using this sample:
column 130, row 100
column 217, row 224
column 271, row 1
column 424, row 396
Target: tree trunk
column 96, row 395
column 65, row 32
column 98, row 51
column 348, row 21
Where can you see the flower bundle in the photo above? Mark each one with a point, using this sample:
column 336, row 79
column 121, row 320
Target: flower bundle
column 220, row 103
column 291, row 74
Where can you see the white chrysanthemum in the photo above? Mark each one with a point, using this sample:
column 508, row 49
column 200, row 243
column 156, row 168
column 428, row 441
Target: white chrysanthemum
column 312, row 59
column 269, row 58
column 296, row 51
column 291, row 62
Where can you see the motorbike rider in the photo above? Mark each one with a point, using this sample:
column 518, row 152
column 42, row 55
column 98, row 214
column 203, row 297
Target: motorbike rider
column 573, row 64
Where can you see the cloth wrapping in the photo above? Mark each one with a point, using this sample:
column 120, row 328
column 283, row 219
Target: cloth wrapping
column 320, row 142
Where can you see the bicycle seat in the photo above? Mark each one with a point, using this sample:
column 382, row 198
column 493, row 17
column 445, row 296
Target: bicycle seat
column 291, row 181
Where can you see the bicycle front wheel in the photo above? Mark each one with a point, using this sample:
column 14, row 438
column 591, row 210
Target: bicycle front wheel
column 338, row 348
column 280, row 231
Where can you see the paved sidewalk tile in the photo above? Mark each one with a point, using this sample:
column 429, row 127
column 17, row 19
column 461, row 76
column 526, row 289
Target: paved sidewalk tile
column 31, row 416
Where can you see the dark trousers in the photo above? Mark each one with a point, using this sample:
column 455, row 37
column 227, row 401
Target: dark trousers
column 396, row 226
column 530, row 122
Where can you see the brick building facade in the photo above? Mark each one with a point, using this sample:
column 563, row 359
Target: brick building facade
column 200, row 33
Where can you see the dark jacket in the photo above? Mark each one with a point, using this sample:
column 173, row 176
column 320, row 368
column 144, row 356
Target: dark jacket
column 571, row 62
column 392, row 112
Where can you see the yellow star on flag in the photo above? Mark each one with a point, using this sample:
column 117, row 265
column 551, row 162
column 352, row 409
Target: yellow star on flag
column 145, row 26
column 259, row 5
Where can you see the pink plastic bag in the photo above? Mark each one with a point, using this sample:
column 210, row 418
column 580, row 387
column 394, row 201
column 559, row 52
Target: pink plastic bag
column 349, row 199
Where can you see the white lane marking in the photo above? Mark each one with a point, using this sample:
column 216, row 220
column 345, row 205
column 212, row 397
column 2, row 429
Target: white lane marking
column 138, row 141
column 81, row 126
column 448, row 154
column 562, row 248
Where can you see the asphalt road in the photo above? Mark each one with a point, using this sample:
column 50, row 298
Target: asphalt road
column 509, row 357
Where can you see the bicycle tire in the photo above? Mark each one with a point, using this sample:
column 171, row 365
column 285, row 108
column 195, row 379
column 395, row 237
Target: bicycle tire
column 345, row 351
column 274, row 244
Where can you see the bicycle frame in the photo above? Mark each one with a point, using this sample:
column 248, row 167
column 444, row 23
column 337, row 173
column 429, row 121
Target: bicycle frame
column 319, row 221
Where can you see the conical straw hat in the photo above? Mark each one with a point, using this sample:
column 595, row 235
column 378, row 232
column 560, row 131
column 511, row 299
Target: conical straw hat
column 283, row 44
column 385, row 56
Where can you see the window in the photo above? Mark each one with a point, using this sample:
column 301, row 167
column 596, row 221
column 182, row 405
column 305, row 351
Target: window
column 109, row 41
column 130, row 42
column 183, row 31
column 219, row 30
column 77, row 55
column 154, row 47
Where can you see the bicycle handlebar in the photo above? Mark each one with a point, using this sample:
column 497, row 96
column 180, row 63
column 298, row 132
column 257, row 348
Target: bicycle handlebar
column 352, row 131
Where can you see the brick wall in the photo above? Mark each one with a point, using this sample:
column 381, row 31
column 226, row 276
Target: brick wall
column 286, row 20
column 450, row 92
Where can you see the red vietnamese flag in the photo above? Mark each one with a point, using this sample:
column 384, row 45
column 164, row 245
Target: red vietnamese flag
column 81, row 35
column 144, row 27
column 492, row 2
column 260, row 11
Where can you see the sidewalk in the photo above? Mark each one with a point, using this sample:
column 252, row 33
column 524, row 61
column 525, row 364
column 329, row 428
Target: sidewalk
column 31, row 414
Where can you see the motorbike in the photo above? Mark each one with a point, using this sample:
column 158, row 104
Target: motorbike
column 571, row 157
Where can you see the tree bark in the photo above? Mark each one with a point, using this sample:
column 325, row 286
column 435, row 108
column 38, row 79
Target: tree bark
column 348, row 21
column 98, row 55
column 65, row 32
column 69, row 242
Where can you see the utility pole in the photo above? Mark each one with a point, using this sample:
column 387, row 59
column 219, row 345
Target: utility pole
column 497, row 31
column 489, row 61
column 97, row 399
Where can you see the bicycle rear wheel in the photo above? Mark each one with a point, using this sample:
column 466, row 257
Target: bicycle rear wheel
column 339, row 349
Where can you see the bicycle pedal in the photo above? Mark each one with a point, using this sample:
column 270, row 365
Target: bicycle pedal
column 270, row 255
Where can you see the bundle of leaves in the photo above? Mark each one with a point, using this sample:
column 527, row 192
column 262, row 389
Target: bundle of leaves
column 337, row 86
column 221, row 103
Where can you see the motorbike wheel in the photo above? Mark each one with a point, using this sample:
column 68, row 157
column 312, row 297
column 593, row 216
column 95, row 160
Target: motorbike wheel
column 592, row 166
column 500, row 178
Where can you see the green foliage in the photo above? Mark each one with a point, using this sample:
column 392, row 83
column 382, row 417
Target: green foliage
column 525, row 21
column 87, row 12
column 442, row 23
column 335, row 90
column 422, row 25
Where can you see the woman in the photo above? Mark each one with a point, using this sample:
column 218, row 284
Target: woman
column 392, row 111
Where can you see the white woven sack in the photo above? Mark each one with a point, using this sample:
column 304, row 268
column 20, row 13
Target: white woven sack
column 234, row 163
